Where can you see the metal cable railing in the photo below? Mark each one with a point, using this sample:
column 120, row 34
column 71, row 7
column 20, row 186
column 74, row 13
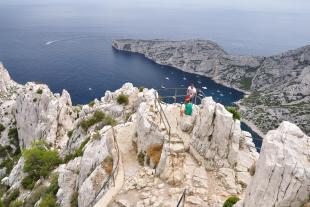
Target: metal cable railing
column 181, row 202
column 162, row 115
column 199, row 95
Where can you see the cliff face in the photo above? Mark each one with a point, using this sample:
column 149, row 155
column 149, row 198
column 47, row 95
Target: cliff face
column 278, row 85
column 282, row 176
column 140, row 160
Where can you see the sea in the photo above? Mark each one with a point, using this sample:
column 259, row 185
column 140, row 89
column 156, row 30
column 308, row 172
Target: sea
column 67, row 43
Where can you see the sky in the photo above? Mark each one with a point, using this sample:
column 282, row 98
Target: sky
column 294, row 6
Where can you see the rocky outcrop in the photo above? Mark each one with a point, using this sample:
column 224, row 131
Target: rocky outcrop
column 5, row 80
column 282, row 175
column 67, row 181
column 42, row 115
column 218, row 138
column 279, row 84
column 148, row 130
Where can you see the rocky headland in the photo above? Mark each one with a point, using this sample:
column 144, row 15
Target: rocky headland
column 277, row 87
column 119, row 151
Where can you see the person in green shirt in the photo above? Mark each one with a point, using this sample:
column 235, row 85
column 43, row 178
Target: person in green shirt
column 188, row 107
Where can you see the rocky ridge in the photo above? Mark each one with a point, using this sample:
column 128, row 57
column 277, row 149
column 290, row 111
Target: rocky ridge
column 207, row 153
column 278, row 86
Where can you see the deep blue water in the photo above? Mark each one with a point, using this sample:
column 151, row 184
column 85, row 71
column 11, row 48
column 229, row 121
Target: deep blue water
column 67, row 43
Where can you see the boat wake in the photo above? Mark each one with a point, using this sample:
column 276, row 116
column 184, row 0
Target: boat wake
column 51, row 42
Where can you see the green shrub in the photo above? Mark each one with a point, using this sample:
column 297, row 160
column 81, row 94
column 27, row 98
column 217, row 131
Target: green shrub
column 91, row 104
column 108, row 120
column 49, row 200
column 39, row 161
column 2, row 127
column 96, row 118
column 16, row 203
column 34, row 100
column 70, row 133
column 141, row 156
column 1, row 203
column 232, row 200
column 122, row 99
column 12, row 196
column 74, row 199
column 39, row 91
column 235, row 112
column 78, row 152
column 141, row 88
column 9, row 163
column 4, row 150
column 53, row 188
column 14, row 140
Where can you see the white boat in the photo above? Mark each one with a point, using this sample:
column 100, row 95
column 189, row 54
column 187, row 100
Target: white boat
column 167, row 78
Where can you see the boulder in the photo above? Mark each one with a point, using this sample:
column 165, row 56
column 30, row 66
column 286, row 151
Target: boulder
column 282, row 175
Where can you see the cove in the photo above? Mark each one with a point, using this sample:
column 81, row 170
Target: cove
column 145, row 72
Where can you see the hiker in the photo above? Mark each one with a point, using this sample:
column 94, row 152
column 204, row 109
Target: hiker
column 188, row 110
column 191, row 91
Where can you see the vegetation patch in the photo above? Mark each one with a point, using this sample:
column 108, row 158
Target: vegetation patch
column 154, row 153
column 9, row 163
column 39, row 91
column 141, row 88
column 235, row 112
column 14, row 140
column 39, row 161
column 2, row 128
column 78, row 152
column 122, row 99
column 98, row 116
column 16, row 203
column 92, row 103
column 245, row 83
column 11, row 197
column 107, row 164
column 35, row 196
column 70, row 133
column 96, row 136
column 232, row 200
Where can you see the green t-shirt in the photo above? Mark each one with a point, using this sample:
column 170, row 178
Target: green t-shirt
column 189, row 109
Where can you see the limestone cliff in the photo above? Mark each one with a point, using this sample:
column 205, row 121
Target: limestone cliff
column 278, row 85
column 144, row 156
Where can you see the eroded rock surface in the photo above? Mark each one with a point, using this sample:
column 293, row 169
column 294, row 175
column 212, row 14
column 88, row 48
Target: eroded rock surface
column 282, row 176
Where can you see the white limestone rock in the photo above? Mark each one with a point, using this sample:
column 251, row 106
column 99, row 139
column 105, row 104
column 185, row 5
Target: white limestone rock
column 42, row 115
column 67, row 181
column 282, row 176
column 147, row 129
column 218, row 138
column 94, row 153
column 92, row 186
column 16, row 175
column 5, row 79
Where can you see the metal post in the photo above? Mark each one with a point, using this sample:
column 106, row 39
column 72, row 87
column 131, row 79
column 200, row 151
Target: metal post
column 175, row 95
